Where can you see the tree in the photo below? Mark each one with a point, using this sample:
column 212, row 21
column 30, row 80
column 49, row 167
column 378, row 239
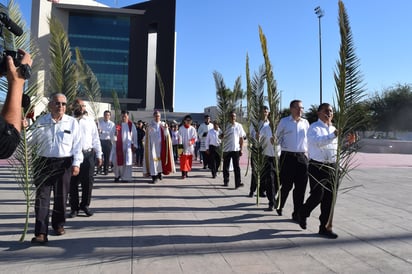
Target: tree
column 390, row 111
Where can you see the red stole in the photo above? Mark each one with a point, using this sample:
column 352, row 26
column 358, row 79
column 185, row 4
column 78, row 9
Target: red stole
column 166, row 153
column 119, row 143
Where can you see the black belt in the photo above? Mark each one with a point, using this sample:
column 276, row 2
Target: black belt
column 295, row 154
column 320, row 163
column 54, row 159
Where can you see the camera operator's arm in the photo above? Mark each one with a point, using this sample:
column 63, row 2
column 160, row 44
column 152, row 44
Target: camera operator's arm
column 12, row 106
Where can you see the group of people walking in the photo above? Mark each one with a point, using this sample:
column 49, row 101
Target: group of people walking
column 307, row 153
column 69, row 148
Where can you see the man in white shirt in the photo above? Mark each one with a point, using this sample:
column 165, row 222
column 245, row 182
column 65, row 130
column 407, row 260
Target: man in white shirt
column 202, row 133
column 106, row 126
column 92, row 150
column 212, row 148
column 57, row 138
column 268, row 176
column 323, row 144
column 232, row 149
column 291, row 133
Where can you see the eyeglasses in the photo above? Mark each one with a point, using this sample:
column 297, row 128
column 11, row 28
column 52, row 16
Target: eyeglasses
column 60, row 104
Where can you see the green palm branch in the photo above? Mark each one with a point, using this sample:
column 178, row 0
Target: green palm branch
column 248, row 99
column 25, row 159
column 162, row 90
column 349, row 91
column 274, row 106
column 63, row 76
column 117, row 110
column 226, row 101
column 256, row 145
column 89, row 83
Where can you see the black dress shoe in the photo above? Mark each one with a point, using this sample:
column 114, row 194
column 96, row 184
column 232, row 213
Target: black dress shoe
column 154, row 179
column 117, row 179
column 262, row 195
column 87, row 211
column 279, row 211
column 39, row 239
column 301, row 220
column 250, row 194
column 73, row 213
column 327, row 233
column 295, row 217
column 270, row 208
column 239, row 185
column 159, row 176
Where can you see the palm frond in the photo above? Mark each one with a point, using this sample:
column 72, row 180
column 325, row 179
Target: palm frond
column 117, row 109
column 274, row 105
column 63, row 77
column 162, row 90
column 349, row 91
column 256, row 145
column 90, row 84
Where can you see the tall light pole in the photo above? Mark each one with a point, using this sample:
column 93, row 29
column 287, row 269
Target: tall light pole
column 319, row 12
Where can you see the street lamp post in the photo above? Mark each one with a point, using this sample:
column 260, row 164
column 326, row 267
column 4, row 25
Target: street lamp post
column 319, row 12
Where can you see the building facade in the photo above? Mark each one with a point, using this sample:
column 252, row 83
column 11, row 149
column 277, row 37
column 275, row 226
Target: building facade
column 125, row 47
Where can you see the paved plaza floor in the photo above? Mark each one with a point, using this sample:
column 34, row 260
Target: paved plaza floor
column 197, row 225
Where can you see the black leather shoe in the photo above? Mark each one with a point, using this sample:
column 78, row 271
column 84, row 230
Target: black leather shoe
column 240, row 185
column 116, row 179
column 159, row 176
column 262, row 195
column 250, row 194
column 73, row 213
column 327, row 233
column 87, row 211
column 279, row 211
column 39, row 239
column 269, row 208
column 295, row 217
column 301, row 220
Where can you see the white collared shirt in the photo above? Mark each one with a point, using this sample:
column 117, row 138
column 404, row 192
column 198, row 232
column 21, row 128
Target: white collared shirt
column 212, row 138
column 90, row 135
column 322, row 142
column 232, row 135
column 105, row 129
column 292, row 135
column 58, row 138
column 265, row 135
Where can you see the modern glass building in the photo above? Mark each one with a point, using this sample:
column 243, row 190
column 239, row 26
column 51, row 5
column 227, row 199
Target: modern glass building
column 123, row 46
column 105, row 49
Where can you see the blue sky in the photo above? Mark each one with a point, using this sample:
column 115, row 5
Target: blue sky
column 216, row 35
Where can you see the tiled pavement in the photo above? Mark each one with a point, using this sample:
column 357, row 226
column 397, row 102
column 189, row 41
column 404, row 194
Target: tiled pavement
column 198, row 226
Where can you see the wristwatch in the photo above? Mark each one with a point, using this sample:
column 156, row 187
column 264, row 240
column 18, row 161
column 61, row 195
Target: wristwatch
column 25, row 71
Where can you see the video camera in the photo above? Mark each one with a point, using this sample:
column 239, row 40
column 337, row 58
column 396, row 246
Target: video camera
column 6, row 22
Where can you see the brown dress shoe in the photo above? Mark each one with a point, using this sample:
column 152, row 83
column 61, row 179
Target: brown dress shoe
column 59, row 231
column 39, row 239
